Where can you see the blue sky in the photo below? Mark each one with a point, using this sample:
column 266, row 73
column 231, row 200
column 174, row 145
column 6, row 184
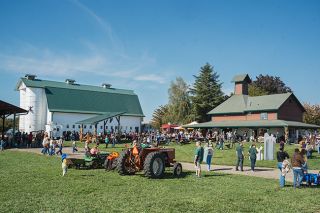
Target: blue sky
column 144, row 45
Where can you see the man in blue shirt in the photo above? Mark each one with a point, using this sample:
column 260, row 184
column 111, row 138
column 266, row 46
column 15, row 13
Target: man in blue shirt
column 240, row 156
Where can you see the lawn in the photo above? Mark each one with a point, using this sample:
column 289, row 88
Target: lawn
column 185, row 153
column 33, row 183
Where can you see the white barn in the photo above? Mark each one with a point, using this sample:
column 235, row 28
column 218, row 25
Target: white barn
column 64, row 104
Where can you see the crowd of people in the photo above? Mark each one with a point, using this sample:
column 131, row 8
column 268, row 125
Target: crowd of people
column 298, row 162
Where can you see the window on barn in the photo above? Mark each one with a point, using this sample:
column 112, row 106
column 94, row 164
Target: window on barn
column 90, row 127
column 73, row 126
column 79, row 126
column 101, row 127
column 67, row 126
column 85, row 126
column 264, row 116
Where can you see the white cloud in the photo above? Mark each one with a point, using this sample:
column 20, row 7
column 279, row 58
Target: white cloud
column 150, row 77
column 95, row 59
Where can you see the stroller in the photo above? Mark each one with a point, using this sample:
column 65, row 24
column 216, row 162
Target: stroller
column 310, row 179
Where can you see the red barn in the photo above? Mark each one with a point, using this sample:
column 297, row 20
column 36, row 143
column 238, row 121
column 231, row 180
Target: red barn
column 281, row 114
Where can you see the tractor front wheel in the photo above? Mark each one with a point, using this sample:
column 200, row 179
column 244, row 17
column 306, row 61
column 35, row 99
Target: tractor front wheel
column 154, row 165
column 177, row 169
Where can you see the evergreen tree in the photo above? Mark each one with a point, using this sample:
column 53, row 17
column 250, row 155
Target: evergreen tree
column 206, row 93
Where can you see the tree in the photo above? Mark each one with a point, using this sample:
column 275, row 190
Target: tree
column 8, row 124
column 159, row 116
column 312, row 114
column 267, row 85
column 206, row 93
column 256, row 91
column 179, row 102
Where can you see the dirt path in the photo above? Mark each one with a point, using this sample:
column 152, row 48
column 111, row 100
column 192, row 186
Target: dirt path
column 261, row 172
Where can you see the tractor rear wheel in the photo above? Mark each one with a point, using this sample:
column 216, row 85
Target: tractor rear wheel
column 154, row 165
column 177, row 169
column 125, row 165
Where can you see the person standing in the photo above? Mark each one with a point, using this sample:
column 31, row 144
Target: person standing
column 209, row 152
column 297, row 161
column 45, row 144
column 74, row 147
column 106, row 140
column 253, row 156
column 198, row 157
column 64, row 165
column 29, row 139
column 281, row 156
column 318, row 145
column 240, row 156
column 1, row 145
column 60, row 146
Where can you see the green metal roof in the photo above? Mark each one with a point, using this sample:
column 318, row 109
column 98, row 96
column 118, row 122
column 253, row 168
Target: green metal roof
column 241, row 78
column 239, row 104
column 248, row 124
column 88, row 101
column 38, row 83
column 99, row 118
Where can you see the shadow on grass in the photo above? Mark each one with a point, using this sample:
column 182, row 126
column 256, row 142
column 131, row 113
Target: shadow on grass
column 216, row 175
column 262, row 170
column 222, row 169
column 169, row 175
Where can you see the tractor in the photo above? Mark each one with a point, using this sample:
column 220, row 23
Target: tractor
column 151, row 160
column 90, row 161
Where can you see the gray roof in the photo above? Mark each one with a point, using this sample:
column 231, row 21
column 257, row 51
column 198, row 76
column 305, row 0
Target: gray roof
column 239, row 104
column 248, row 124
column 98, row 118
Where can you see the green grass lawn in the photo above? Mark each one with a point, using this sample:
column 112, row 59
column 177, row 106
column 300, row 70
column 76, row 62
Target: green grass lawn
column 185, row 153
column 33, row 183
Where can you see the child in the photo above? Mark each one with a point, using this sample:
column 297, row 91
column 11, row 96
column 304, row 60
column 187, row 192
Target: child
column 1, row 145
column 64, row 164
column 60, row 146
column 74, row 147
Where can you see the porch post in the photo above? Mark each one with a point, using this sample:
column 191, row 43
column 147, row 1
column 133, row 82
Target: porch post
column 286, row 134
column 3, row 118
column 14, row 128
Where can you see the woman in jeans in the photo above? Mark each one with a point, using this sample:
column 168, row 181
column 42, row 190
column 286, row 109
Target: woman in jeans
column 297, row 162
column 281, row 156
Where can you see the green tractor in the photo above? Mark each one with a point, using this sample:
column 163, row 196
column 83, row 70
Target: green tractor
column 90, row 161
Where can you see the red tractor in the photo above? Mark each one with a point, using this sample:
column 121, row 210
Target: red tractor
column 151, row 160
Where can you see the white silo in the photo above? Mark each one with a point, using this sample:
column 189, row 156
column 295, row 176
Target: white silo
column 22, row 119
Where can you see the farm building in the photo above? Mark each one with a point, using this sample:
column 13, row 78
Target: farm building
column 68, row 106
column 280, row 114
